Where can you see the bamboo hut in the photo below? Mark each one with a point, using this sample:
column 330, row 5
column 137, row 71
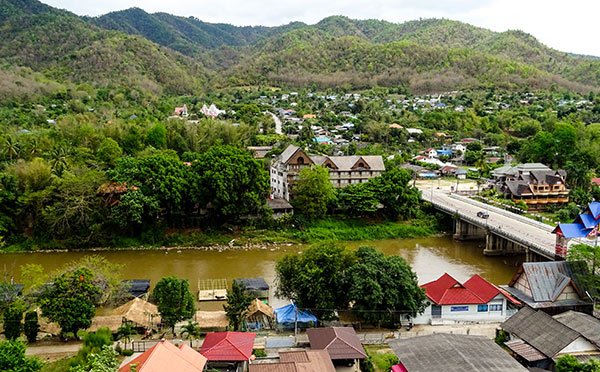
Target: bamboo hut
column 142, row 314
column 212, row 320
column 259, row 315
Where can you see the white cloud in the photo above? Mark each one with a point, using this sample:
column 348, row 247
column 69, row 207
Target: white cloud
column 566, row 26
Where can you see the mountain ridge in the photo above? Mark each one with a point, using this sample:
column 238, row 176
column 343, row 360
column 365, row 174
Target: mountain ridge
column 163, row 53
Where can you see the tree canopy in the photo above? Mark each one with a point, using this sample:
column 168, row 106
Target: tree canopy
column 313, row 192
column 70, row 300
column 174, row 300
column 329, row 277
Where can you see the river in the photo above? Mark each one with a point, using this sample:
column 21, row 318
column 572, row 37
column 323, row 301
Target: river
column 429, row 257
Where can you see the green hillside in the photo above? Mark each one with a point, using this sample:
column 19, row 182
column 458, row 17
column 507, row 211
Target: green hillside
column 66, row 48
column 162, row 53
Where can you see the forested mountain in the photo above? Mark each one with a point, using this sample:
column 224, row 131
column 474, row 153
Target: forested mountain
column 165, row 53
column 66, row 48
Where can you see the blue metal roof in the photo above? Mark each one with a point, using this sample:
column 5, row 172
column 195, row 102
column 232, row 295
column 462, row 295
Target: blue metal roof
column 594, row 207
column 444, row 152
column 587, row 220
column 572, row 230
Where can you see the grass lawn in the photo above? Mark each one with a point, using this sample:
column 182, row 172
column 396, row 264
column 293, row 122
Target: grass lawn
column 61, row 365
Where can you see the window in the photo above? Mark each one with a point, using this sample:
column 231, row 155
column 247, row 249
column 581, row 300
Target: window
column 496, row 307
column 300, row 160
column 482, row 308
column 459, row 308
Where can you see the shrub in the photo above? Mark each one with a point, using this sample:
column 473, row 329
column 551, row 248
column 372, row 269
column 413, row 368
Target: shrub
column 259, row 353
column 31, row 326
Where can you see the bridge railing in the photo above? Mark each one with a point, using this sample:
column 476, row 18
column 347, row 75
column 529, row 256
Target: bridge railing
column 519, row 239
column 515, row 216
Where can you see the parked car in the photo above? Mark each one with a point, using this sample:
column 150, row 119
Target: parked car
column 483, row 214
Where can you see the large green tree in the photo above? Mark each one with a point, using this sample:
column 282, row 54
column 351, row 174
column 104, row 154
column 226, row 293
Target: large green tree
column 399, row 198
column 313, row 192
column 70, row 300
column 315, row 279
column 382, row 289
column 230, row 182
column 174, row 300
column 236, row 308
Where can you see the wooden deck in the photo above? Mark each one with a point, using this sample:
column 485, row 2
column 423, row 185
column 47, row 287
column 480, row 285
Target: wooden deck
column 212, row 290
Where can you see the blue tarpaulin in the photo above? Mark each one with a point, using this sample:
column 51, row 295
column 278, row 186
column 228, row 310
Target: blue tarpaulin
column 287, row 315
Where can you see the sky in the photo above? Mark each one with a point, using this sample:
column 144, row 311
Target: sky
column 569, row 26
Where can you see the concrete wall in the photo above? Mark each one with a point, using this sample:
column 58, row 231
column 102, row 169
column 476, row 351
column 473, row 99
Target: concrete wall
column 578, row 346
column 471, row 315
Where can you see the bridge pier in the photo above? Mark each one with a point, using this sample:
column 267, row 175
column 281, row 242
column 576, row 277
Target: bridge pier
column 531, row 256
column 496, row 246
column 466, row 231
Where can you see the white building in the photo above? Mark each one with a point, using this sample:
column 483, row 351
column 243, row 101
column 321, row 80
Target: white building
column 476, row 300
column 343, row 170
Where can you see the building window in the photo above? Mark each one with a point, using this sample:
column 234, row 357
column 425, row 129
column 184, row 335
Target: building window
column 300, row 160
column 482, row 308
column 459, row 308
column 496, row 307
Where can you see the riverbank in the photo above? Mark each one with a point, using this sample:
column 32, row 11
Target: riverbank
column 255, row 238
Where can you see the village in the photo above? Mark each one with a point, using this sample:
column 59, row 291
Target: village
column 471, row 325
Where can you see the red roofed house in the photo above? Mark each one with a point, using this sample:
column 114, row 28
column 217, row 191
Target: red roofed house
column 228, row 348
column 165, row 356
column 475, row 300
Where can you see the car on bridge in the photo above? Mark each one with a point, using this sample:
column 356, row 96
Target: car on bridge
column 483, row 214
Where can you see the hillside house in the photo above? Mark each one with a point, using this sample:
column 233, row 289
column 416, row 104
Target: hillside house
column 476, row 300
column 164, row 356
column 343, row 170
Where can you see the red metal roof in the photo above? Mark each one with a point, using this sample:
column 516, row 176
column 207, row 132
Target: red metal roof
column 228, row 346
column 448, row 291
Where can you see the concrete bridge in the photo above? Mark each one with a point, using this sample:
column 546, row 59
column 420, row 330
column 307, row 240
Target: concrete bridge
column 504, row 232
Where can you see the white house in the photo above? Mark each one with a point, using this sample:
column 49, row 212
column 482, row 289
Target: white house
column 431, row 153
column 476, row 300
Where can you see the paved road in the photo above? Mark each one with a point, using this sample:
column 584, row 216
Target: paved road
column 501, row 222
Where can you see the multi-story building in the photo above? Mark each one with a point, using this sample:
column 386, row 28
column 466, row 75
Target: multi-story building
column 534, row 184
column 343, row 170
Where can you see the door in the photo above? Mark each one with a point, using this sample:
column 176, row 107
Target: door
column 436, row 311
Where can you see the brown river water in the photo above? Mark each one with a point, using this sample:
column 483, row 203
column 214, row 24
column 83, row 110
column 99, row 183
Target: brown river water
column 429, row 258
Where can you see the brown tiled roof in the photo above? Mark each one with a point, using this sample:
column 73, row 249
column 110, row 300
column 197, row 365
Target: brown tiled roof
column 340, row 342
column 297, row 361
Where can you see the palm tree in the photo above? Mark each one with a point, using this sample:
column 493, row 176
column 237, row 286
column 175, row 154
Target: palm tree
column 11, row 148
column 59, row 160
column 191, row 330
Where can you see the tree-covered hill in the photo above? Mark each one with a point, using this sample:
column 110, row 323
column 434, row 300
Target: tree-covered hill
column 193, row 37
column 163, row 53
column 65, row 48
column 190, row 35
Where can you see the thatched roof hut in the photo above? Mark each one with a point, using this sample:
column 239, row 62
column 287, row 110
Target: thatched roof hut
column 259, row 307
column 212, row 320
column 137, row 311
column 112, row 322
column 259, row 315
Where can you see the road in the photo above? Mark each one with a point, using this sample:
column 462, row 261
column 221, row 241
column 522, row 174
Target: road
column 509, row 225
column 278, row 125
